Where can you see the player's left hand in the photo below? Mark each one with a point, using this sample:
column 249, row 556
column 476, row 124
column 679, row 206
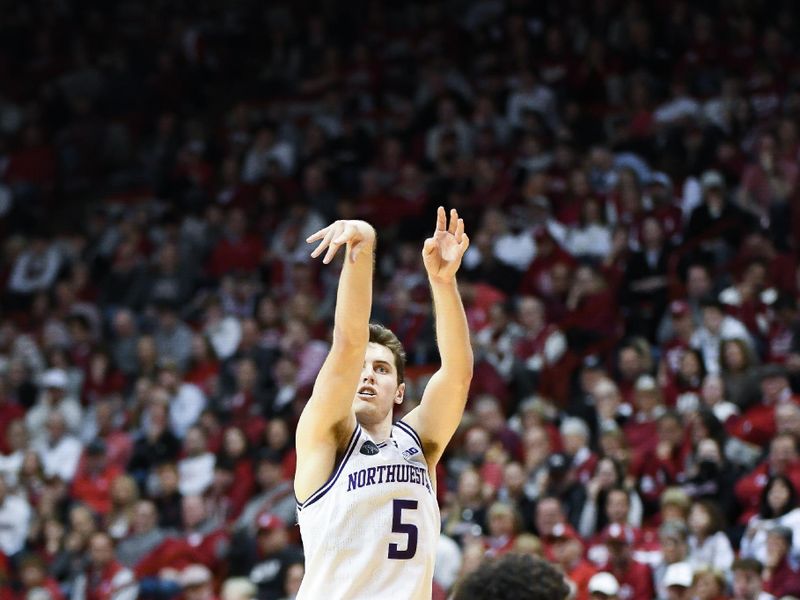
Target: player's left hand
column 443, row 252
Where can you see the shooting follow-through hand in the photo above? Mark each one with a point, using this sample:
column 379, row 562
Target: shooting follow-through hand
column 353, row 233
column 443, row 251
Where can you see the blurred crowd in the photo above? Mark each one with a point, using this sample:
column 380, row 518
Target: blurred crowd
column 628, row 174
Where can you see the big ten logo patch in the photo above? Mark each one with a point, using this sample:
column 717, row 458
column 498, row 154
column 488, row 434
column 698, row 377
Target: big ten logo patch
column 407, row 454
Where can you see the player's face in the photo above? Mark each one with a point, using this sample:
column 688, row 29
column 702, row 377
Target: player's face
column 377, row 388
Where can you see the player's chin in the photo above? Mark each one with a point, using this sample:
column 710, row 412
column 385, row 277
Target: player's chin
column 367, row 411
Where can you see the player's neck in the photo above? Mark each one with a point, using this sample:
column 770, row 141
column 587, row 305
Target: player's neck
column 379, row 432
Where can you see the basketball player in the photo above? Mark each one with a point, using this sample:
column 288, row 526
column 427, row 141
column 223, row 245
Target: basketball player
column 365, row 487
column 514, row 577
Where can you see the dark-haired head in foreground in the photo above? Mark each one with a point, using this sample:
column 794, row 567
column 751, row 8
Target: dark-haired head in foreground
column 514, row 577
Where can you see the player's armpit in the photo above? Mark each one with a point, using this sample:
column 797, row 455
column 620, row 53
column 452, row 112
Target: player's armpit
column 437, row 417
column 327, row 420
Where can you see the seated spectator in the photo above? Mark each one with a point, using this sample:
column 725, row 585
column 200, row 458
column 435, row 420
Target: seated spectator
column 107, row 422
column 154, row 443
column 172, row 337
column 94, row 478
column 787, row 419
column 708, row 544
column 712, row 477
column 16, row 438
column 737, row 362
column 712, row 396
column 104, row 573
column 200, row 539
column 603, row 586
column 465, row 516
column 678, row 580
column 167, row 496
column 782, row 459
column 675, row 337
column 595, row 516
column 503, row 524
column 591, row 311
column 709, row 584
column 757, row 424
column 265, row 559
column 53, row 398
column 274, row 496
column 635, row 578
column 197, row 583
column 15, row 520
column 124, row 497
column 144, row 535
column 610, row 410
column 560, row 481
column 591, row 238
column 663, row 465
column 223, row 332
column 673, row 536
column 59, row 451
column 617, row 511
column 747, row 581
column 575, row 438
column 778, row 506
column 489, row 414
column 33, row 576
column 716, row 327
column 186, row 401
column 196, row 468
column 567, row 552
column 641, row 431
column 781, row 578
column 539, row 349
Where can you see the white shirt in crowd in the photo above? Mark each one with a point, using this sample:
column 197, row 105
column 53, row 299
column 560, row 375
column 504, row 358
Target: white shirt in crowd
column 10, row 464
column 36, row 418
column 185, row 408
column 224, row 335
column 15, row 516
column 755, row 545
column 715, row 551
column 702, row 339
column 195, row 474
column 60, row 459
column 593, row 240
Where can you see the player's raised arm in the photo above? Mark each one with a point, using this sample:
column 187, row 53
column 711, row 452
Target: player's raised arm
column 438, row 415
column 328, row 420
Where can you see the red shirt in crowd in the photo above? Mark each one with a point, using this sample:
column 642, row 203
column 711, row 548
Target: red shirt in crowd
column 179, row 552
column 94, row 488
column 242, row 254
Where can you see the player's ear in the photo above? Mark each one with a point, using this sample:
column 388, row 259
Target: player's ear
column 400, row 393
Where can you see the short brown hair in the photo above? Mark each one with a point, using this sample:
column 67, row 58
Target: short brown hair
column 513, row 577
column 384, row 336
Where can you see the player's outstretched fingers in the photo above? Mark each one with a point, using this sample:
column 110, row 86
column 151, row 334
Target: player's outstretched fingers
column 324, row 243
column 318, row 235
column 453, row 221
column 332, row 250
column 441, row 219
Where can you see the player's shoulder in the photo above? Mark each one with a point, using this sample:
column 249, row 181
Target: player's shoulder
column 406, row 435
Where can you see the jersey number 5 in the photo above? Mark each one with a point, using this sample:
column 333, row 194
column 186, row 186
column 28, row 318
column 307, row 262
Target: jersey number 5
column 408, row 528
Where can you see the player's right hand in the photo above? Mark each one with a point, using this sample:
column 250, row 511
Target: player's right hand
column 356, row 234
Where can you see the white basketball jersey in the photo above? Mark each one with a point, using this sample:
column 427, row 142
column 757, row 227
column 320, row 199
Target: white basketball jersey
column 372, row 530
